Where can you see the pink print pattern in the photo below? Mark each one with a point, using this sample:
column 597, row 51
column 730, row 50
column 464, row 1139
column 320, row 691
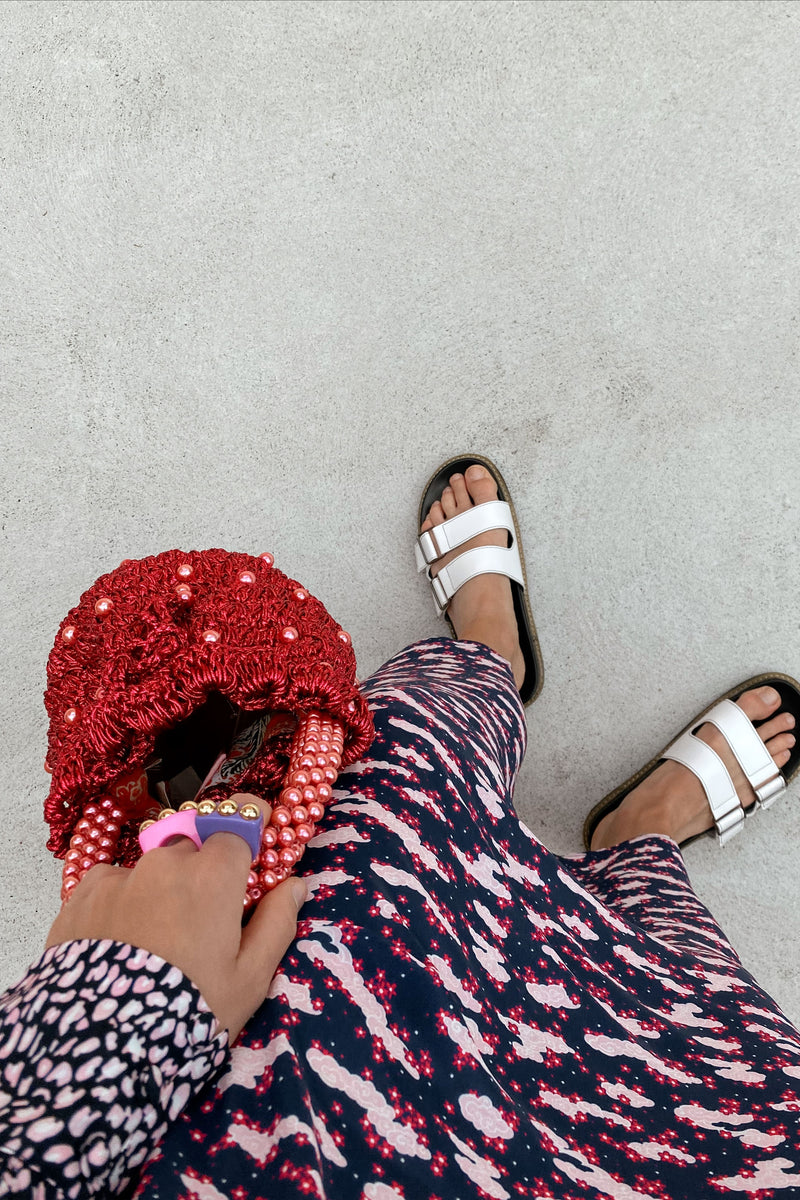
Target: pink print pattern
column 103, row 1045
column 465, row 1015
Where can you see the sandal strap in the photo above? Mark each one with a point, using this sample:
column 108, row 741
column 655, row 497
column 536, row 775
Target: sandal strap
column 709, row 768
column 482, row 560
column 495, row 514
column 752, row 755
column 750, row 752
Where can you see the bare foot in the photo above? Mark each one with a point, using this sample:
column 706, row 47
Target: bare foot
column 671, row 799
column 483, row 609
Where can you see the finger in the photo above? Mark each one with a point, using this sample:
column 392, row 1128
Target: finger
column 181, row 843
column 228, row 853
column 265, row 940
column 178, row 843
column 186, row 845
column 272, row 927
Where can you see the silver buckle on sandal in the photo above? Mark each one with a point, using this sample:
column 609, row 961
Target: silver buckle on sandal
column 439, row 594
column 768, row 793
column 730, row 822
column 429, row 545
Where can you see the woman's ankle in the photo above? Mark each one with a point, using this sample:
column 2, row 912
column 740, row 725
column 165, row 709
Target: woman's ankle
column 509, row 649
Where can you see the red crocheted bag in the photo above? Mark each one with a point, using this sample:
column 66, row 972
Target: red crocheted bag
column 184, row 671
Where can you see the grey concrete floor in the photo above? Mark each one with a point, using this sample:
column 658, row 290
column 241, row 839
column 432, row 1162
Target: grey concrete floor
column 263, row 266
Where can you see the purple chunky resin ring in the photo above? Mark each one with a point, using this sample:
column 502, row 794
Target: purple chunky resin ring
column 250, row 829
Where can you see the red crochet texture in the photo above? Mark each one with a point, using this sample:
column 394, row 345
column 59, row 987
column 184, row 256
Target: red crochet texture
column 137, row 656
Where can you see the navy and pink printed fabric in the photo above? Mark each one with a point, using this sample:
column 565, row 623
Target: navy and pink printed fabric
column 463, row 1014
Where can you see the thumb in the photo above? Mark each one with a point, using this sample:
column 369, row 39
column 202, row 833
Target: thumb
column 265, row 939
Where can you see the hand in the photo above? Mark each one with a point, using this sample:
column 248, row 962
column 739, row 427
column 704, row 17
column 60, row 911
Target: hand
column 186, row 905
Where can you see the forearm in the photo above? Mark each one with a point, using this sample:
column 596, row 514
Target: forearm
column 102, row 1046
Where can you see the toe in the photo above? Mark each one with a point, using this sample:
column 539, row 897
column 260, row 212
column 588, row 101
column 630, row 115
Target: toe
column 460, row 492
column 782, row 744
column 759, row 703
column 448, row 502
column 777, row 724
column 435, row 516
column 480, row 484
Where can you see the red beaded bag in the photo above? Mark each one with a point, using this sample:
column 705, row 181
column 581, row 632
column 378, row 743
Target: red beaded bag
column 184, row 672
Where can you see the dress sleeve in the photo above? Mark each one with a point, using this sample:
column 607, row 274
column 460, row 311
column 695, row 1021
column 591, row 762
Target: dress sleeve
column 102, row 1045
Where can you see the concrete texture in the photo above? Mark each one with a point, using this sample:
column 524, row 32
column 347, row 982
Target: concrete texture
column 265, row 265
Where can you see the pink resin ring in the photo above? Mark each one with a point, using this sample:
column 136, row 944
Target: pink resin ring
column 180, row 824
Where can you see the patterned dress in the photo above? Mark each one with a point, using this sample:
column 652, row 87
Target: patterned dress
column 462, row 1015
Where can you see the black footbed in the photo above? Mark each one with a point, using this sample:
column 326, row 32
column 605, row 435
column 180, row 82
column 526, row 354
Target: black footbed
column 789, row 691
column 534, row 669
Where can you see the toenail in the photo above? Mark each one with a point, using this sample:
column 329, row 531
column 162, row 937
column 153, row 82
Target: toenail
column 769, row 695
column 476, row 472
column 452, row 477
